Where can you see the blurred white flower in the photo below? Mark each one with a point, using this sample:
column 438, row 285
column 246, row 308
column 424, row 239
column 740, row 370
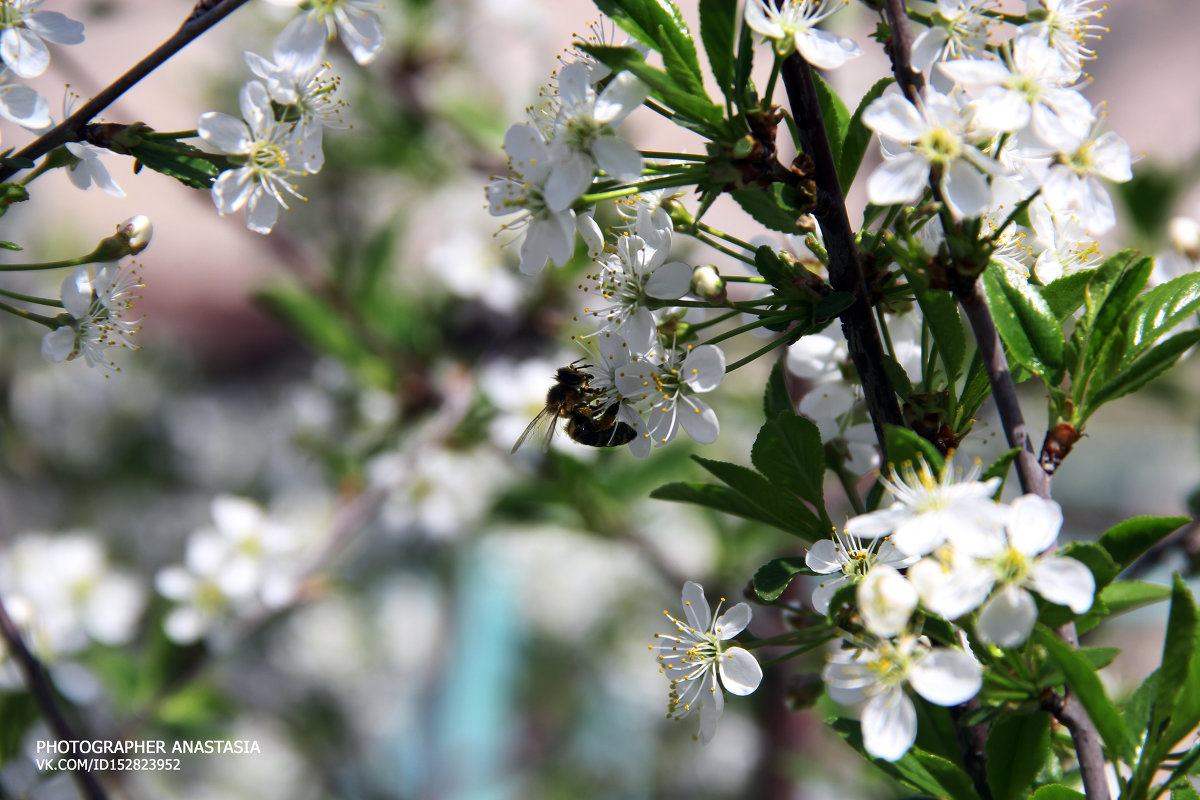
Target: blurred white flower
column 22, row 30
column 792, row 27
column 90, row 169
column 353, row 21
column 886, row 600
column 21, row 104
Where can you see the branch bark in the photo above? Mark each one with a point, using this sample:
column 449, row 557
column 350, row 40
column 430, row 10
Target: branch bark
column 71, row 128
column 845, row 269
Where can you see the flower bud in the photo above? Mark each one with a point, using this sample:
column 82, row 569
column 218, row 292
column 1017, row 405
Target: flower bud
column 1184, row 235
column 708, row 284
column 132, row 237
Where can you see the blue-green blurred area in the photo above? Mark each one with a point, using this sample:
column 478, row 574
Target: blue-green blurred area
column 404, row 609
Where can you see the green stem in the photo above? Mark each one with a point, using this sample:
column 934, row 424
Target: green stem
column 762, row 351
column 821, row 632
column 668, row 156
column 49, row 322
column 68, row 262
column 171, row 135
column 716, row 320
column 700, row 236
column 726, row 236
column 28, row 298
column 883, row 331
column 743, row 279
column 688, row 178
column 770, row 91
column 758, row 323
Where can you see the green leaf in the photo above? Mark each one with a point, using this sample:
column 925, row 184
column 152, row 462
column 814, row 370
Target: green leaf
column 922, row 771
column 189, row 165
column 858, row 137
column 1187, row 705
column 718, row 498
column 941, row 313
column 788, row 452
column 698, row 113
column 680, row 69
column 832, row 304
column 905, row 446
column 788, row 512
column 1031, row 333
column 718, row 29
column 999, row 468
column 1141, row 371
column 1127, row 540
column 776, row 399
column 976, row 388
column 656, row 24
column 1123, row 596
column 743, row 83
column 1095, row 558
column 1086, row 685
column 10, row 246
column 1160, row 309
column 1056, row 791
column 1108, row 337
column 1017, row 748
column 773, row 577
column 1065, row 295
column 772, row 207
column 1183, row 790
column 834, row 114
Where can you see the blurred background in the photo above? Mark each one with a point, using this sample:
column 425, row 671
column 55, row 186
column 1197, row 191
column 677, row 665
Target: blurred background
column 404, row 609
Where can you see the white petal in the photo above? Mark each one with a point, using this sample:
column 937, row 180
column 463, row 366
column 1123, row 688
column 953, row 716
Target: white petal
column 1064, row 581
column 224, row 132
column 825, row 556
column 699, row 420
column 186, row 624
column 695, row 607
column 77, row 292
column 889, row 724
column 304, row 35
column 56, row 27
column 58, row 344
column 877, row 523
column 973, row 73
column 1001, row 110
column 669, row 282
column 732, row 622
column 894, row 117
column 617, row 157
column 704, row 368
column 1110, row 157
column 711, row 704
column 760, row 23
column 1033, row 523
column 946, row 677
column 898, row 180
column 825, row 50
column 25, row 107
column 623, row 94
column 231, row 190
column 740, row 672
column 261, row 212
column 927, row 47
column 361, row 33
column 886, row 601
column 24, row 52
column 1007, row 619
column 591, row 234
column 967, row 191
column 822, row 596
column 570, row 177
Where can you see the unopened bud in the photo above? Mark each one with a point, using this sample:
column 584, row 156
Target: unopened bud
column 132, row 237
column 708, row 284
column 1184, row 235
column 744, row 146
column 674, row 329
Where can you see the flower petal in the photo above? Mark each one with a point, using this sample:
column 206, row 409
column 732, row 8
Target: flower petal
column 669, row 282
column 898, row 180
column 732, row 622
column 740, row 671
column 946, row 677
column 889, row 724
column 1007, row 619
column 695, row 607
column 1064, row 581
column 1033, row 523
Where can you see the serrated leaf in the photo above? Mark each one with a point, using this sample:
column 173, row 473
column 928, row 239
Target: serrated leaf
column 770, row 207
column 1182, row 789
column 186, row 164
column 834, row 114
column 743, row 83
column 1029, row 329
column 1086, row 685
column 1065, row 295
column 1159, row 310
column 718, row 29
column 940, row 311
column 656, row 24
column 773, row 578
column 1108, row 336
column 776, row 399
column 1178, row 645
column 1017, row 748
column 680, row 69
column 858, row 137
column 1148, row 366
column 1122, row 596
column 1056, row 791
column 718, row 498
column 976, row 387
column 788, row 452
column 1129, row 539
column 786, row 511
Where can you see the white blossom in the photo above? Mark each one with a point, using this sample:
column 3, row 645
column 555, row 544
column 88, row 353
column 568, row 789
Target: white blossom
column 21, row 104
column 792, row 27
column 95, row 300
column 849, row 560
column 90, row 169
column 666, row 387
column 354, row 21
column 959, row 30
column 695, row 658
column 22, row 30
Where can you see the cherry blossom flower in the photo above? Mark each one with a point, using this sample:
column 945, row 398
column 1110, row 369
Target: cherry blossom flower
column 94, row 301
column 1066, row 25
column 1027, row 562
column 353, row 21
column 664, row 384
column 301, row 83
column 695, row 658
column 849, row 560
column 878, row 674
column 22, row 105
column 22, row 30
column 886, row 601
column 270, row 155
column 959, row 30
column 931, row 509
column 90, row 169
column 914, row 141
column 1073, row 182
column 792, row 27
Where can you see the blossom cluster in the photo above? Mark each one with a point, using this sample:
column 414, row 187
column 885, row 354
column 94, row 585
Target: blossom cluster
column 1001, row 120
column 285, row 110
column 962, row 553
column 24, row 31
column 642, row 376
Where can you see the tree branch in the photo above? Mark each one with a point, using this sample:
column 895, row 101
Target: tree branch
column 845, row 269
column 71, row 128
column 39, row 687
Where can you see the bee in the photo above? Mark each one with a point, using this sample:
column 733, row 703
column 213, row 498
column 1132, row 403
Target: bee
column 572, row 399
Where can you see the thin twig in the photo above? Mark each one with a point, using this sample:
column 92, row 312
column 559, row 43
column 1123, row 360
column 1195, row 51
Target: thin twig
column 71, row 129
column 1066, row 708
column 845, row 269
column 39, row 687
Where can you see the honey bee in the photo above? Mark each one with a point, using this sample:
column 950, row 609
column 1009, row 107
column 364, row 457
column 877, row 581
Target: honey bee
column 573, row 399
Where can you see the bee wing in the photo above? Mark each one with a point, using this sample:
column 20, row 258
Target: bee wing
column 546, row 418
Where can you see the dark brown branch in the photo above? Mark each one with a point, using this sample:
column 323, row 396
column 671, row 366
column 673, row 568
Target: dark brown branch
column 845, row 269
column 900, row 51
column 71, row 129
column 39, row 687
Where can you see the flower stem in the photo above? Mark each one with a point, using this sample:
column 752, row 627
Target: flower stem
column 762, row 351
column 680, row 179
column 49, row 322
column 758, row 323
column 700, row 236
column 668, row 156
column 29, row 298
column 709, row 229
column 66, row 262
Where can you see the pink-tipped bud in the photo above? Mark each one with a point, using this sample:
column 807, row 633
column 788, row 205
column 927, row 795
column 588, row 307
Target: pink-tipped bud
column 132, row 237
